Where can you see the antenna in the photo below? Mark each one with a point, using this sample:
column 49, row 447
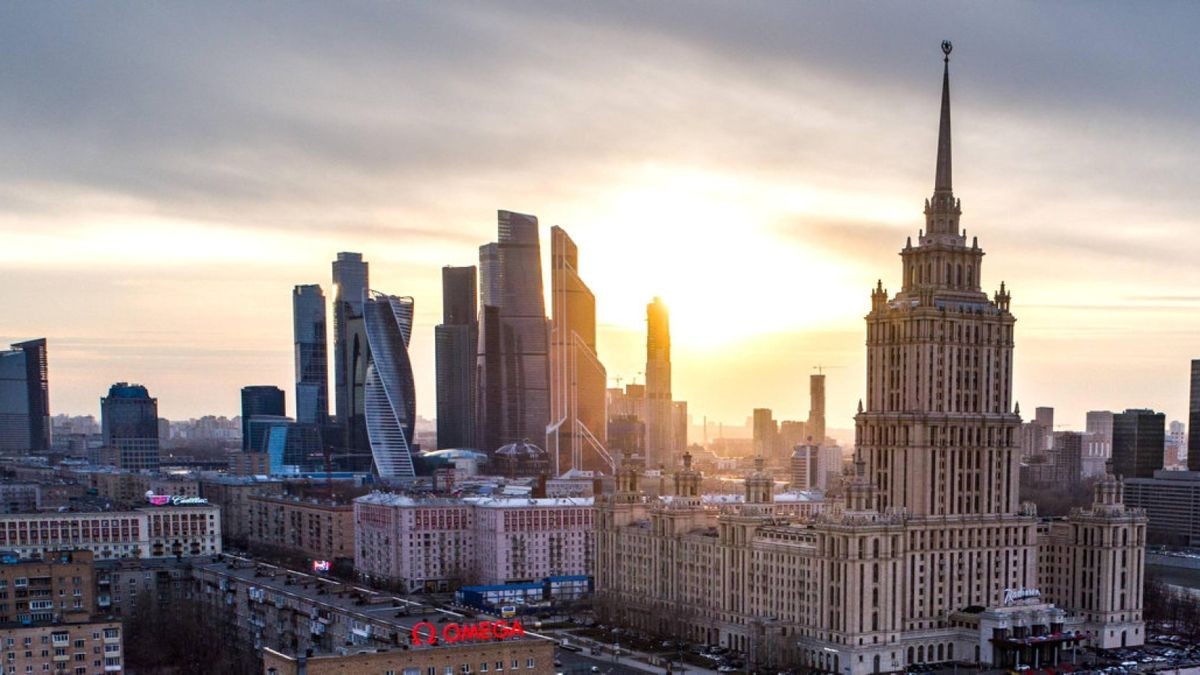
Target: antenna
column 822, row 368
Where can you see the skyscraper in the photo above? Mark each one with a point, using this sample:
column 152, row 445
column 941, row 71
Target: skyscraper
column 816, row 408
column 24, row 398
column 259, row 401
column 350, row 281
column 577, row 435
column 455, row 344
column 389, row 394
column 928, row 558
column 1097, row 442
column 659, row 430
column 766, row 434
column 1138, row 440
column 129, row 423
column 1193, row 425
column 513, row 378
column 312, row 359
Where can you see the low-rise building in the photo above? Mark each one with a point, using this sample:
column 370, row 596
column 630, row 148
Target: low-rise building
column 149, row 532
column 310, row 528
column 439, row 544
column 232, row 494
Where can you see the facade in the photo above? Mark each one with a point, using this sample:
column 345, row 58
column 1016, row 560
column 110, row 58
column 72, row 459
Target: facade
column 292, row 447
column 84, row 647
column 232, row 495
column 513, row 370
column 54, row 588
column 1193, row 424
column 442, row 544
column 660, row 441
column 312, row 354
column 455, row 342
column 390, row 396
column 1097, row 442
column 577, row 437
column 526, row 657
column 929, row 557
column 351, row 278
column 20, row 497
column 309, row 528
column 24, row 398
column 1138, row 441
column 1171, row 500
column 150, row 532
column 260, row 401
column 129, row 422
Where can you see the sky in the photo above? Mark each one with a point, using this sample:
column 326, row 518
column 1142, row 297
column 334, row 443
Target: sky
column 168, row 171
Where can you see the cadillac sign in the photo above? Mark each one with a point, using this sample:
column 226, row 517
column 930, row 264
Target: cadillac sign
column 173, row 500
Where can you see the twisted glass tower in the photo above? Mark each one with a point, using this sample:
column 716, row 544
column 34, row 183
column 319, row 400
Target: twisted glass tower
column 389, row 393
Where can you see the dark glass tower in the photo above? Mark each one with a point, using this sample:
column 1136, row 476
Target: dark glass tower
column 455, row 344
column 312, row 360
column 24, row 398
column 1193, row 428
column 259, row 401
column 1137, row 445
column 513, row 364
column 129, row 422
column 350, row 281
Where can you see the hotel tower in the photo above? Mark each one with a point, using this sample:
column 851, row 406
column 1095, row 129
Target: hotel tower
column 929, row 557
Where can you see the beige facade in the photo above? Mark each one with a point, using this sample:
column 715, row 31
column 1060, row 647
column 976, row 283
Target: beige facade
column 86, row 648
column 150, row 532
column 232, row 495
column 931, row 552
column 309, row 527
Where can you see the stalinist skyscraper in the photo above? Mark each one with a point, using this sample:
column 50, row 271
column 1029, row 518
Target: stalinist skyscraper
column 929, row 557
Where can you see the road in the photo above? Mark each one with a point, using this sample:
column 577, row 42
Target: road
column 577, row 663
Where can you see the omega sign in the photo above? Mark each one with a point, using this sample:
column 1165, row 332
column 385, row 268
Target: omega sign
column 426, row 633
column 1015, row 595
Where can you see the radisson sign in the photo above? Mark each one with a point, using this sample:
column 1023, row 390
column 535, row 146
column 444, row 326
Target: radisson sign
column 426, row 633
column 1015, row 595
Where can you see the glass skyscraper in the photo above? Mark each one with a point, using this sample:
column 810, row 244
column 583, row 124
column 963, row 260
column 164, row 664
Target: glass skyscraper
column 389, row 393
column 455, row 343
column 312, row 360
column 513, row 379
column 24, row 398
column 129, row 422
column 350, row 282
column 1193, row 428
column 660, row 442
column 259, row 401
column 578, row 434
column 1137, row 443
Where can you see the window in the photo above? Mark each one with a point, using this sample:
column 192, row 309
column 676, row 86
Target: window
column 528, row 663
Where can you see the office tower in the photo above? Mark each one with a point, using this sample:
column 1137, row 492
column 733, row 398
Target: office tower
column 1175, row 456
column 513, row 374
column 455, row 342
column 129, row 423
column 259, row 400
column 389, row 394
column 791, row 434
column 766, row 434
column 1193, row 424
column 659, row 431
column 312, row 358
column 1044, row 417
column 680, row 423
column 350, row 281
column 806, row 467
column 1097, row 442
column 24, row 398
column 578, row 431
column 929, row 557
column 816, row 409
column 1137, row 445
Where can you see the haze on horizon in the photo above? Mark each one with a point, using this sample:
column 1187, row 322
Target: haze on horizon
column 168, row 172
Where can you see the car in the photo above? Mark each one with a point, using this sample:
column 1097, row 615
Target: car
column 595, row 669
column 726, row 669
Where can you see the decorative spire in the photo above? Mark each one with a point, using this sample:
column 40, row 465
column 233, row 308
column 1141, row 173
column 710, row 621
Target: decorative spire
column 943, row 179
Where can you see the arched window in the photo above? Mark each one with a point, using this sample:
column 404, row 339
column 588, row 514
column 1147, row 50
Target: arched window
column 959, row 272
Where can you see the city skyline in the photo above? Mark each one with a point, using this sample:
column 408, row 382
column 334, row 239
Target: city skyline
column 1096, row 259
